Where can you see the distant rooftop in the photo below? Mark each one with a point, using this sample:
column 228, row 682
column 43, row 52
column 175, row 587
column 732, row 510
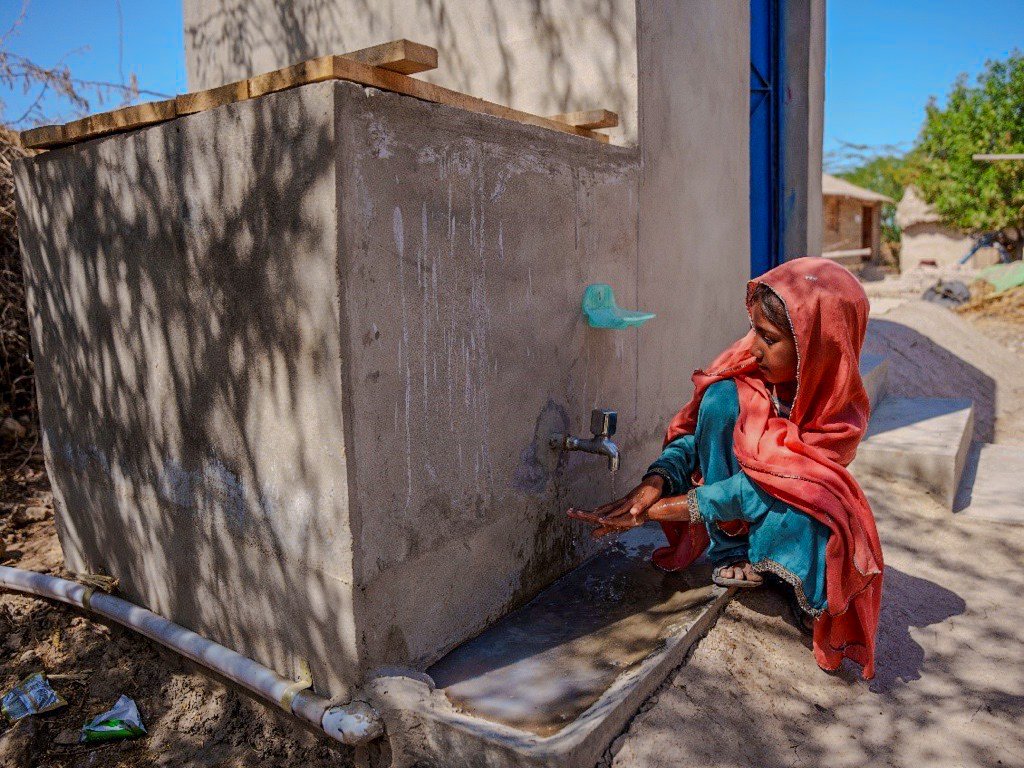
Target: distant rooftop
column 832, row 186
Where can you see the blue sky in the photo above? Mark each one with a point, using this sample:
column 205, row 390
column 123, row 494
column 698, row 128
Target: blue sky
column 85, row 34
column 885, row 57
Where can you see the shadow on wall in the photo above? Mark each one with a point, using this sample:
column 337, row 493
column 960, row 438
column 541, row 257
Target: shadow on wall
column 544, row 56
column 134, row 308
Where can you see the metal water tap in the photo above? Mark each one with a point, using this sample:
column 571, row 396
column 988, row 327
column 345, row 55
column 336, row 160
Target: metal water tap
column 602, row 424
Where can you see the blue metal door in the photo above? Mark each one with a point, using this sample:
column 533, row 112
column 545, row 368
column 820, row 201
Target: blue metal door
column 765, row 145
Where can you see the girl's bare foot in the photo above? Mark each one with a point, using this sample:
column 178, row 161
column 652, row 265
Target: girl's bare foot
column 741, row 572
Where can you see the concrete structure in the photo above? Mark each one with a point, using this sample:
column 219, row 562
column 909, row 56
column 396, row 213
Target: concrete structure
column 992, row 489
column 299, row 356
column 925, row 239
column 921, row 440
column 281, row 353
column 852, row 221
column 688, row 109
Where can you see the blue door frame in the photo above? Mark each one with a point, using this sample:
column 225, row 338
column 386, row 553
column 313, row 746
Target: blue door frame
column 766, row 51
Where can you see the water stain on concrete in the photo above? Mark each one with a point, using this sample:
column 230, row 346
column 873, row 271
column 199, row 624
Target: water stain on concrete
column 542, row 666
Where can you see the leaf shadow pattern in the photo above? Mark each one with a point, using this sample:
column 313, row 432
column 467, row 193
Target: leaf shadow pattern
column 565, row 55
column 181, row 293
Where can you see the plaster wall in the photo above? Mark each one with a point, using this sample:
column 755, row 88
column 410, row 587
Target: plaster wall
column 183, row 298
column 299, row 357
column 803, row 101
column 944, row 245
column 694, row 195
column 467, row 244
column 542, row 57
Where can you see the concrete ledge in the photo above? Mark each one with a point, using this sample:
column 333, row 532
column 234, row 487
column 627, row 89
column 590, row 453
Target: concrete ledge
column 919, row 439
column 991, row 488
column 873, row 369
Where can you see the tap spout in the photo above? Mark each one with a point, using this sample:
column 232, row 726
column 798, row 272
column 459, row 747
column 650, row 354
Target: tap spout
column 600, row 446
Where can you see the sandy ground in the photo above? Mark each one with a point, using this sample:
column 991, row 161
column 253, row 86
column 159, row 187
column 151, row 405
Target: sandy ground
column 949, row 689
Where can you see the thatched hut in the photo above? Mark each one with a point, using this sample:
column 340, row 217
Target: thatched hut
column 927, row 240
column 852, row 227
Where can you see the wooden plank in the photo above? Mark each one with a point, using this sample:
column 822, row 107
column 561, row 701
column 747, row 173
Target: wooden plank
column 592, row 118
column 190, row 103
column 43, row 137
column 402, row 56
column 304, row 73
column 124, row 119
column 847, row 253
column 997, row 158
column 342, row 68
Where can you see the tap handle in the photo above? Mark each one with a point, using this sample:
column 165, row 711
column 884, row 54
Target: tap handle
column 603, row 422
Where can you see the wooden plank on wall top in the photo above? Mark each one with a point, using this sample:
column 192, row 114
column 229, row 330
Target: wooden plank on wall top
column 306, row 72
column 124, row 119
column 190, row 103
column 342, row 68
column 592, row 118
column 385, row 66
column 403, row 56
column 43, row 137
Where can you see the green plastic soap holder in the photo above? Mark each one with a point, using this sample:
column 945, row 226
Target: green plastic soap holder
column 602, row 311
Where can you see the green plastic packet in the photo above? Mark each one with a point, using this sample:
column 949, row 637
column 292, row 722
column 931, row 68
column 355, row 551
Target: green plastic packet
column 122, row 721
column 32, row 696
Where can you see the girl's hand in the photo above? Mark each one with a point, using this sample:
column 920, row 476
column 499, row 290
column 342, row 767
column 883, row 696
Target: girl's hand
column 625, row 513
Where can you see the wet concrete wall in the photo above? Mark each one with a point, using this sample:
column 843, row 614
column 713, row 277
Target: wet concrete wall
column 542, row 57
column 467, row 243
column 298, row 359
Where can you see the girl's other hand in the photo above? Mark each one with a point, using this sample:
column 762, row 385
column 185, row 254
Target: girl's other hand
column 625, row 513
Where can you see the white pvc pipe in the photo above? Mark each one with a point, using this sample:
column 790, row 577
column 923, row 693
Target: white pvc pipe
column 355, row 723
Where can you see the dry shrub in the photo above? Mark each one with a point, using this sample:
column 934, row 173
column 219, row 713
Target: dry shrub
column 17, row 390
column 1008, row 305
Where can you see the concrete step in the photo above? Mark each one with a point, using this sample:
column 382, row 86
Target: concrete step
column 992, row 487
column 873, row 369
column 922, row 440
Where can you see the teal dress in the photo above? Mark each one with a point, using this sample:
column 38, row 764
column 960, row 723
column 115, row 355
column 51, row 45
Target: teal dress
column 782, row 540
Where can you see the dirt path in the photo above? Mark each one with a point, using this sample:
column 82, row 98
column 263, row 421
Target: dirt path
column 949, row 689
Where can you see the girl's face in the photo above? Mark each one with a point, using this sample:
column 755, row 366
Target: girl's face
column 774, row 348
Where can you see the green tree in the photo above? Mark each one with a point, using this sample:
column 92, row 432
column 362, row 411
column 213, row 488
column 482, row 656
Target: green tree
column 988, row 118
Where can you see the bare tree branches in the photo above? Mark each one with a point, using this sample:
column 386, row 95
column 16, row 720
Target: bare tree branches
column 19, row 73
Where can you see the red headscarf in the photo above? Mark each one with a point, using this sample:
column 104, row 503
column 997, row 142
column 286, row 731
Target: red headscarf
column 802, row 460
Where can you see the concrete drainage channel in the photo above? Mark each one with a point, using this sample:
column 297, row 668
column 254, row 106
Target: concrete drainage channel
column 552, row 683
